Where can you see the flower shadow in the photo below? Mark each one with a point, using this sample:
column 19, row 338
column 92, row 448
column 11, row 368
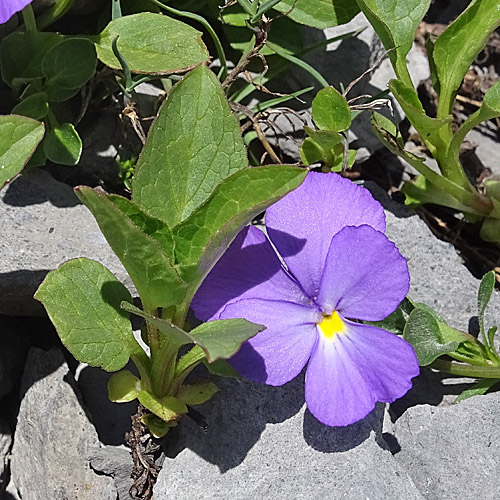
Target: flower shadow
column 239, row 419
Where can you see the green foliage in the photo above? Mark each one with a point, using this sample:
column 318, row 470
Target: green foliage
column 19, row 137
column 432, row 338
column 192, row 193
column 63, row 145
column 194, row 144
column 328, row 145
column 459, row 44
column 82, row 298
column 152, row 43
column 395, row 22
column 68, row 66
column 319, row 13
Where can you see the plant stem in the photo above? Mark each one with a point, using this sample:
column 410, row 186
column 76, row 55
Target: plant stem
column 51, row 15
column 218, row 45
column 466, row 370
column 29, row 19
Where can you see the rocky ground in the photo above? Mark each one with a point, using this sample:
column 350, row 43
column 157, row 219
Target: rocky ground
column 60, row 438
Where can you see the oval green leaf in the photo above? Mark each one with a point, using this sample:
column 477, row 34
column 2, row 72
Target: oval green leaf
column 194, row 144
column 82, row 298
column 319, row 13
column 152, row 43
column 19, row 137
column 34, row 106
column 423, row 333
column 330, row 110
column 62, row 145
column 123, row 387
column 67, row 67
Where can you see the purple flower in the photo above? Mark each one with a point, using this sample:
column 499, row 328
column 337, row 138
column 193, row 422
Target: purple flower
column 340, row 268
column 9, row 7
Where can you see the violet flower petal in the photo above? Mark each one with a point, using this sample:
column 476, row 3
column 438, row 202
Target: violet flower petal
column 365, row 277
column 348, row 374
column 248, row 268
column 278, row 354
column 308, row 218
column 9, row 7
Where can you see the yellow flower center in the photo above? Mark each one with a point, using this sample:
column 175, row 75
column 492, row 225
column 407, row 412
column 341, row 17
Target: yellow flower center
column 331, row 325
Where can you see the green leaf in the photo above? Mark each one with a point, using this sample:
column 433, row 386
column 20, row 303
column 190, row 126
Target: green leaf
column 82, row 298
column 123, row 387
column 459, row 44
column 221, row 368
column 67, row 67
column 157, row 426
column 330, row 110
column 196, row 393
column 152, row 44
column 151, row 270
column 34, row 106
column 167, row 408
column 62, row 145
column 194, row 144
column 422, row 331
column 429, row 128
column 395, row 322
column 478, row 389
column 219, row 339
column 395, row 22
column 484, row 295
column 19, row 137
column 202, row 239
column 321, row 146
column 21, row 55
column 155, row 228
column 319, row 13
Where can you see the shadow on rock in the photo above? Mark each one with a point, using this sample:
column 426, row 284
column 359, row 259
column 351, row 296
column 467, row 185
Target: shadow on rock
column 237, row 417
column 335, row 439
column 243, row 410
column 432, row 388
column 36, row 186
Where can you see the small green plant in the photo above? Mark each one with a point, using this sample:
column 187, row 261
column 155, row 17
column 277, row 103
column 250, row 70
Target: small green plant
column 432, row 338
column 450, row 56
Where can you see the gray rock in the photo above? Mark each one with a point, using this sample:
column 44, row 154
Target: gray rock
column 262, row 443
column 53, row 437
column 43, row 224
column 453, row 452
column 117, row 463
column 487, row 149
column 5, row 442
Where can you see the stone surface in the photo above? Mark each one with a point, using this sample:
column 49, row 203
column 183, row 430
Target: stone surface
column 261, row 443
column 453, row 452
column 43, row 224
column 5, row 442
column 117, row 463
column 53, row 437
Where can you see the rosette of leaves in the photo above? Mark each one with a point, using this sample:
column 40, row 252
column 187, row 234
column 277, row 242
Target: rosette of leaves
column 450, row 56
column 191, row 194
column 328, row 144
